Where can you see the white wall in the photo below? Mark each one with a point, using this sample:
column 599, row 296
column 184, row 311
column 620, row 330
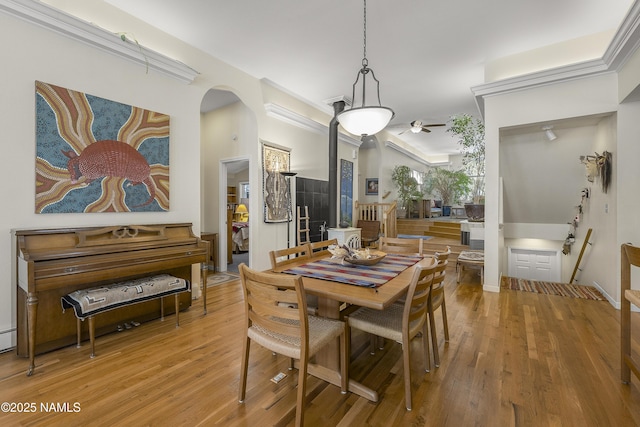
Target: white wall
column 368, row 161
column 309, row 148
column 575, row 98
column 543, row 179
column 600, row 215
column 226, row 134
column 390, row 158
column 582, row 97
column 38, row 54
column 542, row 189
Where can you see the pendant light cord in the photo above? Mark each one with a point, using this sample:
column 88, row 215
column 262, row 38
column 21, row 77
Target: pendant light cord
column 365, row 61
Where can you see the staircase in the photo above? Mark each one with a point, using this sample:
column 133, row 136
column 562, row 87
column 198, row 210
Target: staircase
column 444, row 233
column 413, row 226
column 427, row 227
column 446, row 229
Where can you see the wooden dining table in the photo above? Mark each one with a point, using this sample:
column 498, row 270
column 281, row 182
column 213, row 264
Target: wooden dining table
column 331, row 296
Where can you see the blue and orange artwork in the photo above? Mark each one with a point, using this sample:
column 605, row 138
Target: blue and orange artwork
column 97, row 155
column 346, row 191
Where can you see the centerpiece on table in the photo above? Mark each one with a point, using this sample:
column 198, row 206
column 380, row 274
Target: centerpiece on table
column 356, row 256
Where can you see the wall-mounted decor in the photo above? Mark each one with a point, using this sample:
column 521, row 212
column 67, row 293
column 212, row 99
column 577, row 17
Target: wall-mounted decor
column 346, row 191
column 274, row 184
column 371, row 187
column 97, row 155
column 599, row 166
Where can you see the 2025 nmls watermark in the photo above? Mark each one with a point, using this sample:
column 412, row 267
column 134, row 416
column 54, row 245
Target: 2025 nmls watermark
column 46, row 407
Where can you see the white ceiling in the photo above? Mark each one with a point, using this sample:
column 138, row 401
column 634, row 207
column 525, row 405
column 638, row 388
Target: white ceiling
column 426, row 54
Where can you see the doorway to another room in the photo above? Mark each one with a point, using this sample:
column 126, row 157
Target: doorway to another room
column 237, row 216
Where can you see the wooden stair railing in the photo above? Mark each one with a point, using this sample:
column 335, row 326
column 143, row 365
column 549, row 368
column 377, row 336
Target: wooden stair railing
column 383, row 212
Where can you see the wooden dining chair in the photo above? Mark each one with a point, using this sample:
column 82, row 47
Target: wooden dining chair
column 319, row 249
column 282, row 258
column 630, row 256
column 401, row 246
column 437, row 300
column 271, row 322
column 401, row 323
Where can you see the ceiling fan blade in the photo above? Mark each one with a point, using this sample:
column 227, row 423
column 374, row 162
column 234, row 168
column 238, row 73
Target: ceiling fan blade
column 424, row 129
column 435, row 124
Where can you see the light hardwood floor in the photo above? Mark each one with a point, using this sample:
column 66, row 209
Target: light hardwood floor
column 514, row 359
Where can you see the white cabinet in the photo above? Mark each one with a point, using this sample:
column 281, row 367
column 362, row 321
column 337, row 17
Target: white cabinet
column 343, row 234
column 535, row 264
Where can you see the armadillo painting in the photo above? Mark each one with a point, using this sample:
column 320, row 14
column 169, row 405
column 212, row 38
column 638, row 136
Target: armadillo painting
column 97, row 155
column 111, row 158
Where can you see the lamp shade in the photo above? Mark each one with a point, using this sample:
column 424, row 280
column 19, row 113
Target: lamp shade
column 365, row 120
column 241, row 209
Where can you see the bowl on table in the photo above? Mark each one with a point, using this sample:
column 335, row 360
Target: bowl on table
column 371, row 259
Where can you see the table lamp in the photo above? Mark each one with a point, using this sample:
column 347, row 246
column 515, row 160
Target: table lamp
column 242, row 212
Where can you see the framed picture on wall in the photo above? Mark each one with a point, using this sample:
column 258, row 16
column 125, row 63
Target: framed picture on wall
column 275, row 186
column 371, row 187
column 98, row 155
column 346, row 191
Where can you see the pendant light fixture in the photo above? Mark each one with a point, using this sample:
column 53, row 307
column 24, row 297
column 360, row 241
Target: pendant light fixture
column 365, row 120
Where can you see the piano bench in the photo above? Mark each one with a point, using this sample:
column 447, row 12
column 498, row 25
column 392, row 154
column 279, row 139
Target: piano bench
column 87, row 303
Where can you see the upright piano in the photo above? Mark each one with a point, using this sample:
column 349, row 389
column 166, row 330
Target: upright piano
column 54, row 262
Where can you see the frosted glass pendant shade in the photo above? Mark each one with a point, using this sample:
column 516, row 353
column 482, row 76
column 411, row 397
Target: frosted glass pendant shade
column 365, row 120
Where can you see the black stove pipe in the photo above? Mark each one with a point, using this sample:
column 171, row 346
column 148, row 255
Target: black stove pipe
column 338, row 107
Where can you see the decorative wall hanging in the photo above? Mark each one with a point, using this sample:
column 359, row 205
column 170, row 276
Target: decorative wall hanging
column 371, row 187
column 599, row 166
column 97, row 155
column 274, row 184
column 346, row 191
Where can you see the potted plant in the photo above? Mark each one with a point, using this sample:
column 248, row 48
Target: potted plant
column 470, row 133
column 408, row 188
column 449, row 185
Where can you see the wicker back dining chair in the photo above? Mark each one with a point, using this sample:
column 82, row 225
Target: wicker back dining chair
column 370, row 232
column 276, row 318
column 401, row 246
column 436, row 300
column 401, row 323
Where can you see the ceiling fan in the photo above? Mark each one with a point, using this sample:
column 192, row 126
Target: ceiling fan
column 417, row 127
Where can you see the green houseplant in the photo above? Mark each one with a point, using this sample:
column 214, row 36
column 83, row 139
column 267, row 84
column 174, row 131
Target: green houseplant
column 407, row 186
column 449, row 185
column 470, row 133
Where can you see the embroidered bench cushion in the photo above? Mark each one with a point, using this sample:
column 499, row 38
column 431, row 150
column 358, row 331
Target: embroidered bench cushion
column 87, row 302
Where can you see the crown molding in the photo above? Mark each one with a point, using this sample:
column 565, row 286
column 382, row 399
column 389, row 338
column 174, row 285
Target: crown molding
column 280, row 113
column 626, row 40
column 412, row 155
column 537, row 79
column 624, row 44
column 67, row 25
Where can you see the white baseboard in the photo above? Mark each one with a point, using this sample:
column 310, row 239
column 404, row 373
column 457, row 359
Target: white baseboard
column 7, row 340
